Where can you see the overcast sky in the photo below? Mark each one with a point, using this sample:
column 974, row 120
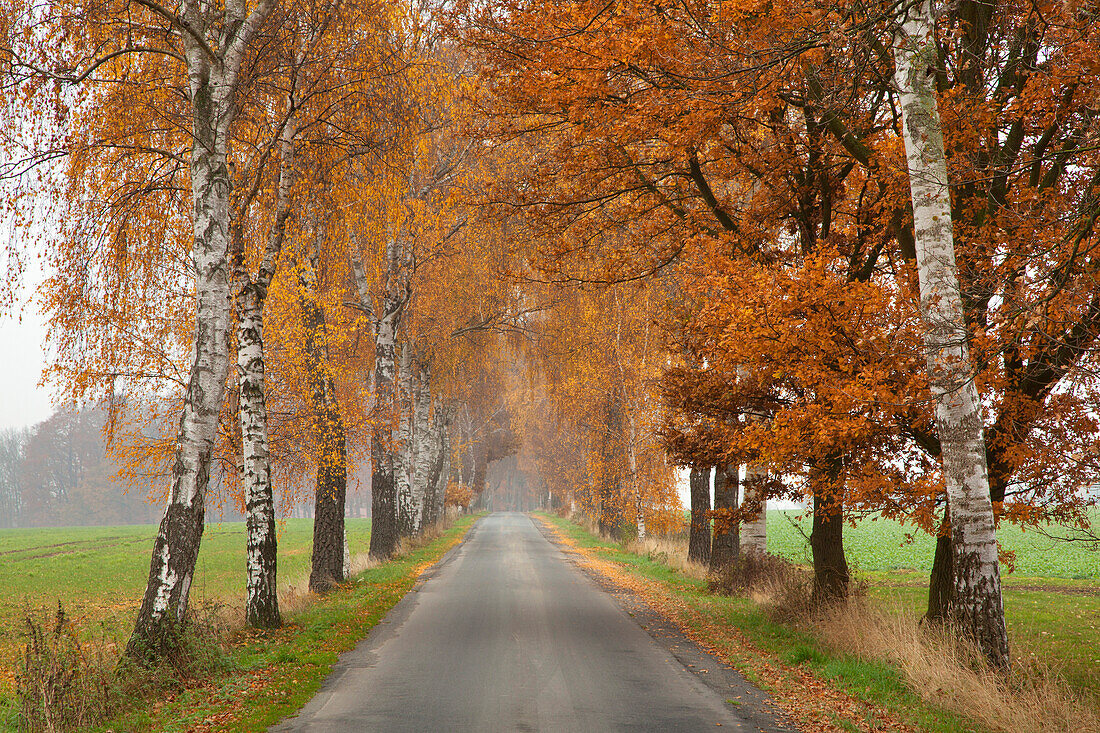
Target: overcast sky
column 24, row 402
column 23, row 337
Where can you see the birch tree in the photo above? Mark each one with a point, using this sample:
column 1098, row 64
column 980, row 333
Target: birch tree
column 754, row 529
column 215, row 39
column 976, row 607
column 261, row 599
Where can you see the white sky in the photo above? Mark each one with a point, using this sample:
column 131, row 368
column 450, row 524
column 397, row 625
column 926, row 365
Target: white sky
column 22, row 336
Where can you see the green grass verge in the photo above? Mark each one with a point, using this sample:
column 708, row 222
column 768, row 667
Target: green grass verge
column 870, row 681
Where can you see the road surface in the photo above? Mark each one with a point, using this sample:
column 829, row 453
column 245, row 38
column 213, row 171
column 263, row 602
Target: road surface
column 507, row 635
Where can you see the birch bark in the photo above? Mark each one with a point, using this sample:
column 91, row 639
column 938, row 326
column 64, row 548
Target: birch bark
column 424, row 442
column 442, row 476
column 261, row 597
column 385, row 413
column 213, row 78
column 383, row 536
column 754, row 532
column 977, row 606
column 403, row 446
column 632, row 471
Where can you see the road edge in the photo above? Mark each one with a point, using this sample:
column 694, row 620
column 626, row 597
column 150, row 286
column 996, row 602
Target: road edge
column 748, row 701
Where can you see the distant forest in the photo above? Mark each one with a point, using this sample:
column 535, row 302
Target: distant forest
column 59, row 473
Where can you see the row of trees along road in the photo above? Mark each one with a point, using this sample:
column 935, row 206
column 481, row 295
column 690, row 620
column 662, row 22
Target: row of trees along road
column 780, row 169
column 531, row 252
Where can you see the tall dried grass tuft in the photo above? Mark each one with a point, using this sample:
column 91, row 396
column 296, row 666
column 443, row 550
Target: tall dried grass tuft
column 670, row 551
column 948, row 671
column 62, row 684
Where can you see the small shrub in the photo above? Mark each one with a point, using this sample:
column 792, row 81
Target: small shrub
column 458, row 495
column 195, row 649
column 752, row 571
column 59, row 685
column 657, row 556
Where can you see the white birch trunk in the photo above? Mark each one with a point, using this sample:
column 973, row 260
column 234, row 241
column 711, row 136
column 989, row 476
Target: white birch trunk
column 261, row 597
column 443, row 478
column 403, row 446
column 383, row 538
column 754, row 531
column 632, row 468
column 977, row 606
column 212, row 86
column 424, row 444
column 261, row 604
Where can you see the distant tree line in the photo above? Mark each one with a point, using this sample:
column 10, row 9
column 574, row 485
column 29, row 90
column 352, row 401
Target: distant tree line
column 58, row 473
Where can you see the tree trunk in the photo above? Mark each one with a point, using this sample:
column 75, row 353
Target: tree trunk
column 403, row 447
column 727, row 541
column 941, row 584
column 424, row 442
column 831, row 576
column 481, row 467
column 443, row 477
column 327, row 564
column 699, row 530
column 466, row 441
column 212, row 87
column 610, row 511
column 976, row 605
column 262, row 600
column 383, row 534
column 440, row 465
column 754, row 532
column 632, row 472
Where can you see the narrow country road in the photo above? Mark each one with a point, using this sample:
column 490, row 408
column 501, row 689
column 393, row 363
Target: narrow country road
column 507, row 635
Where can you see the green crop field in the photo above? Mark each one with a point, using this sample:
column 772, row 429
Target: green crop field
column 885, row 545
column 1052, row 598
column 98, row 574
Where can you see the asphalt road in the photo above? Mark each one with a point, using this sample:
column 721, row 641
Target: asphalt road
column 507, row 635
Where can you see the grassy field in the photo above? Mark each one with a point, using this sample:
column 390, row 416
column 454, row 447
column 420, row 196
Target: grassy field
column 1052, row 598
column 99, row 573
column 884, row 545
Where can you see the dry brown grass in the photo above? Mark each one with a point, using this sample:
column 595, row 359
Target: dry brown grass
column 669, row 551
column 947, row 671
